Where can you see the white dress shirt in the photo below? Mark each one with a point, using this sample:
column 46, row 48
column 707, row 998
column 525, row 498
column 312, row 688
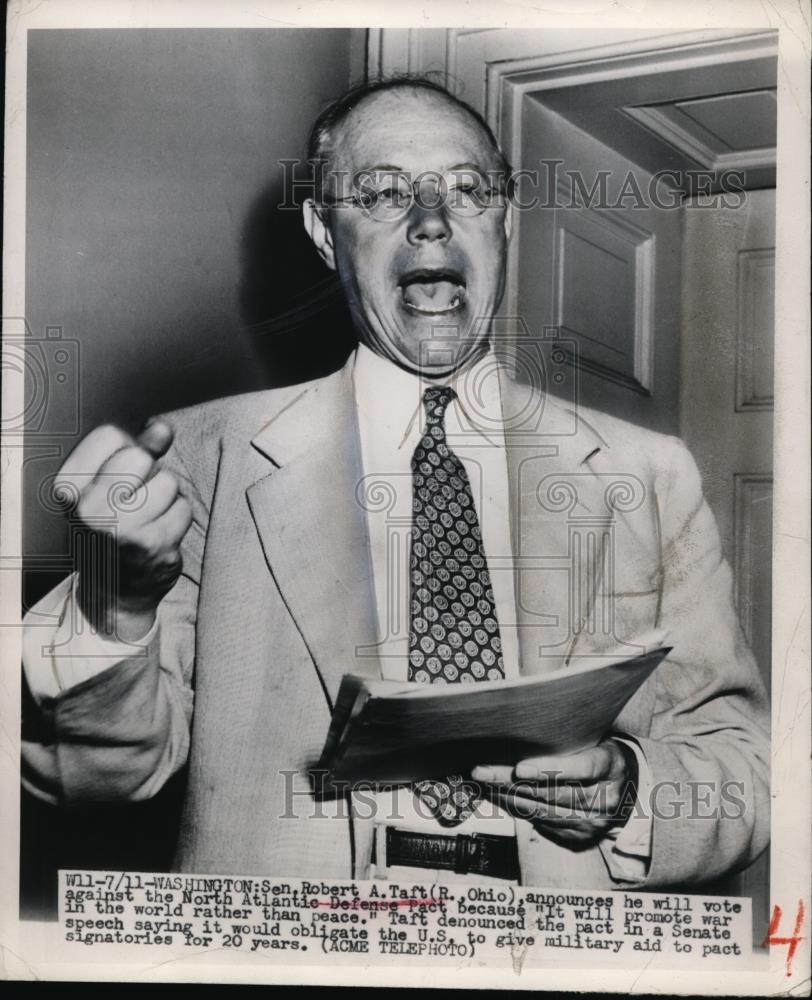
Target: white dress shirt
column 391, row 420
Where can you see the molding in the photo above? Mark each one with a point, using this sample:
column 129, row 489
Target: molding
column 412, row 50
column 749, row 262
column 662, row 124
column 680, row 51
column 508, row 82
column 746, row 486
column 641, row 244
column 453, row 36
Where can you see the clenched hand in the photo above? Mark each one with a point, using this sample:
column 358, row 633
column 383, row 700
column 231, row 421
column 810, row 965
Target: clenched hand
column 112, row 484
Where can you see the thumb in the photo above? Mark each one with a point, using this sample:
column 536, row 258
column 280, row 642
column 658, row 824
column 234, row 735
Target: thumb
column 156, row 437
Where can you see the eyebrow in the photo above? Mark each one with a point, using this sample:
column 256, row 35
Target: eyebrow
column 391, row 168
column 381, row 166
column 467, row 166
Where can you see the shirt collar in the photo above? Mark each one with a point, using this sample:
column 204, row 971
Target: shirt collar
column 391, row 398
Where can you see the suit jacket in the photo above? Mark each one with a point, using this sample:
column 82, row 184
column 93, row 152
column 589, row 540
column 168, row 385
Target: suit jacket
column 611, row 537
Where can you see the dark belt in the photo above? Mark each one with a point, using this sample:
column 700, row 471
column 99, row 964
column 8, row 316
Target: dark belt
column 465, row 854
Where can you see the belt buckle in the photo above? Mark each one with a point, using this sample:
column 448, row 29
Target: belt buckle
column 467, row 851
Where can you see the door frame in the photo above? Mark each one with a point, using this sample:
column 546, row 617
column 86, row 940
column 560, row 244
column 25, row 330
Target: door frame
column 504, row 83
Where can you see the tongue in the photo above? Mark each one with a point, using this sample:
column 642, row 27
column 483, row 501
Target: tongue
column 431, row 295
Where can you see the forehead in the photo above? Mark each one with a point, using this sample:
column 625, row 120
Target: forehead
column 411, row 130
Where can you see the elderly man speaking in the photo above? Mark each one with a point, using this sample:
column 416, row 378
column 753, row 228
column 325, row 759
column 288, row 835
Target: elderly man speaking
column 257, row 563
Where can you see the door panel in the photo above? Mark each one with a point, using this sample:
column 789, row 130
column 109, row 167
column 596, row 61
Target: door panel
column 602, row 268
column 726, row 397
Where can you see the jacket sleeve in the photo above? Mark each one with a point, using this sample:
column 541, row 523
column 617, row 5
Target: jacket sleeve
column 708, row 748
column 120, row 734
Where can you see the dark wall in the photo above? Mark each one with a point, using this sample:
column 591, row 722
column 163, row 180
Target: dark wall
column 156, row 249
column 160, row 272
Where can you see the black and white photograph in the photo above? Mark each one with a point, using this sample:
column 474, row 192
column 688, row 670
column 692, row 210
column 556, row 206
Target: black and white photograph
column 405, row 496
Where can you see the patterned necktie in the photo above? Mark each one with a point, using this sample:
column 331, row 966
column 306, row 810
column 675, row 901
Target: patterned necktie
column 454, row 635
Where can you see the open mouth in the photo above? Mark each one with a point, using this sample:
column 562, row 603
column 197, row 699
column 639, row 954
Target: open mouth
column 432, row 291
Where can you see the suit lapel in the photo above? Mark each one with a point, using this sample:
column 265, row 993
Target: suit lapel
column 313, row 530
column 559, row 523
column 314, row 534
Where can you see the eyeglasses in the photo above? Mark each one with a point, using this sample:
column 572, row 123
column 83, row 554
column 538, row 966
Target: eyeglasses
column 387, row 196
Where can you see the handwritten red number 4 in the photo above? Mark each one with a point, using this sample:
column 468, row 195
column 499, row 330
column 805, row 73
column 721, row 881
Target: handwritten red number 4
column 790, row 942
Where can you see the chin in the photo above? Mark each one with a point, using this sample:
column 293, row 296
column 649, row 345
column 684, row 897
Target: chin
column 445, row 360
column 446, row 336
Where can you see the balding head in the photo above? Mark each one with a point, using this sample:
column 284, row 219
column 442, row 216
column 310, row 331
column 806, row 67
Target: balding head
column 414, row 216
column 404, row 101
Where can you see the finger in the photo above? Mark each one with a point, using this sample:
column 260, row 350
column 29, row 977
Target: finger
column 81, row 466
column 130, row 467
column 151, row 500
column 501, row 780
column 587, row 765
column 174, row 524
column 110, row 494
column 497, row 774
column 161, row 539
column 525, row 808
column 592, row 800
column 156, row 437
column 549, row 814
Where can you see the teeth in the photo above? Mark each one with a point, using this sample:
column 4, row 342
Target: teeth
column 432, row 298
column 452, row 305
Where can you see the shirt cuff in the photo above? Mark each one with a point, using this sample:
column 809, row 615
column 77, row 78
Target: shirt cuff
column 626, row 849
column 65, row 650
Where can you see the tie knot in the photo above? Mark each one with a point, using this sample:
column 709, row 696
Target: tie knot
column 435, row 401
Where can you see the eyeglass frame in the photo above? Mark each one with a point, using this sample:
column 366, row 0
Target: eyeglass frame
column 414, row 195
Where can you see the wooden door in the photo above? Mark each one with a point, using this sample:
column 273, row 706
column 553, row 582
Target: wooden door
column 726, row 391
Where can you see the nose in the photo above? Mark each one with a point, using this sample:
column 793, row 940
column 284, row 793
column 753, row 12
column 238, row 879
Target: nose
column 428, row 224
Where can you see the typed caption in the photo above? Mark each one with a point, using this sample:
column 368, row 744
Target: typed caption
column 286, row 919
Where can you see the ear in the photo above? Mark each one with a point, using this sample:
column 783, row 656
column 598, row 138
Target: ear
column 319, row 232
column 509, row 210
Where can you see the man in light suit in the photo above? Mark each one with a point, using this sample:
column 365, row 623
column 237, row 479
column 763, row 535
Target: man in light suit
column 256, row 568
